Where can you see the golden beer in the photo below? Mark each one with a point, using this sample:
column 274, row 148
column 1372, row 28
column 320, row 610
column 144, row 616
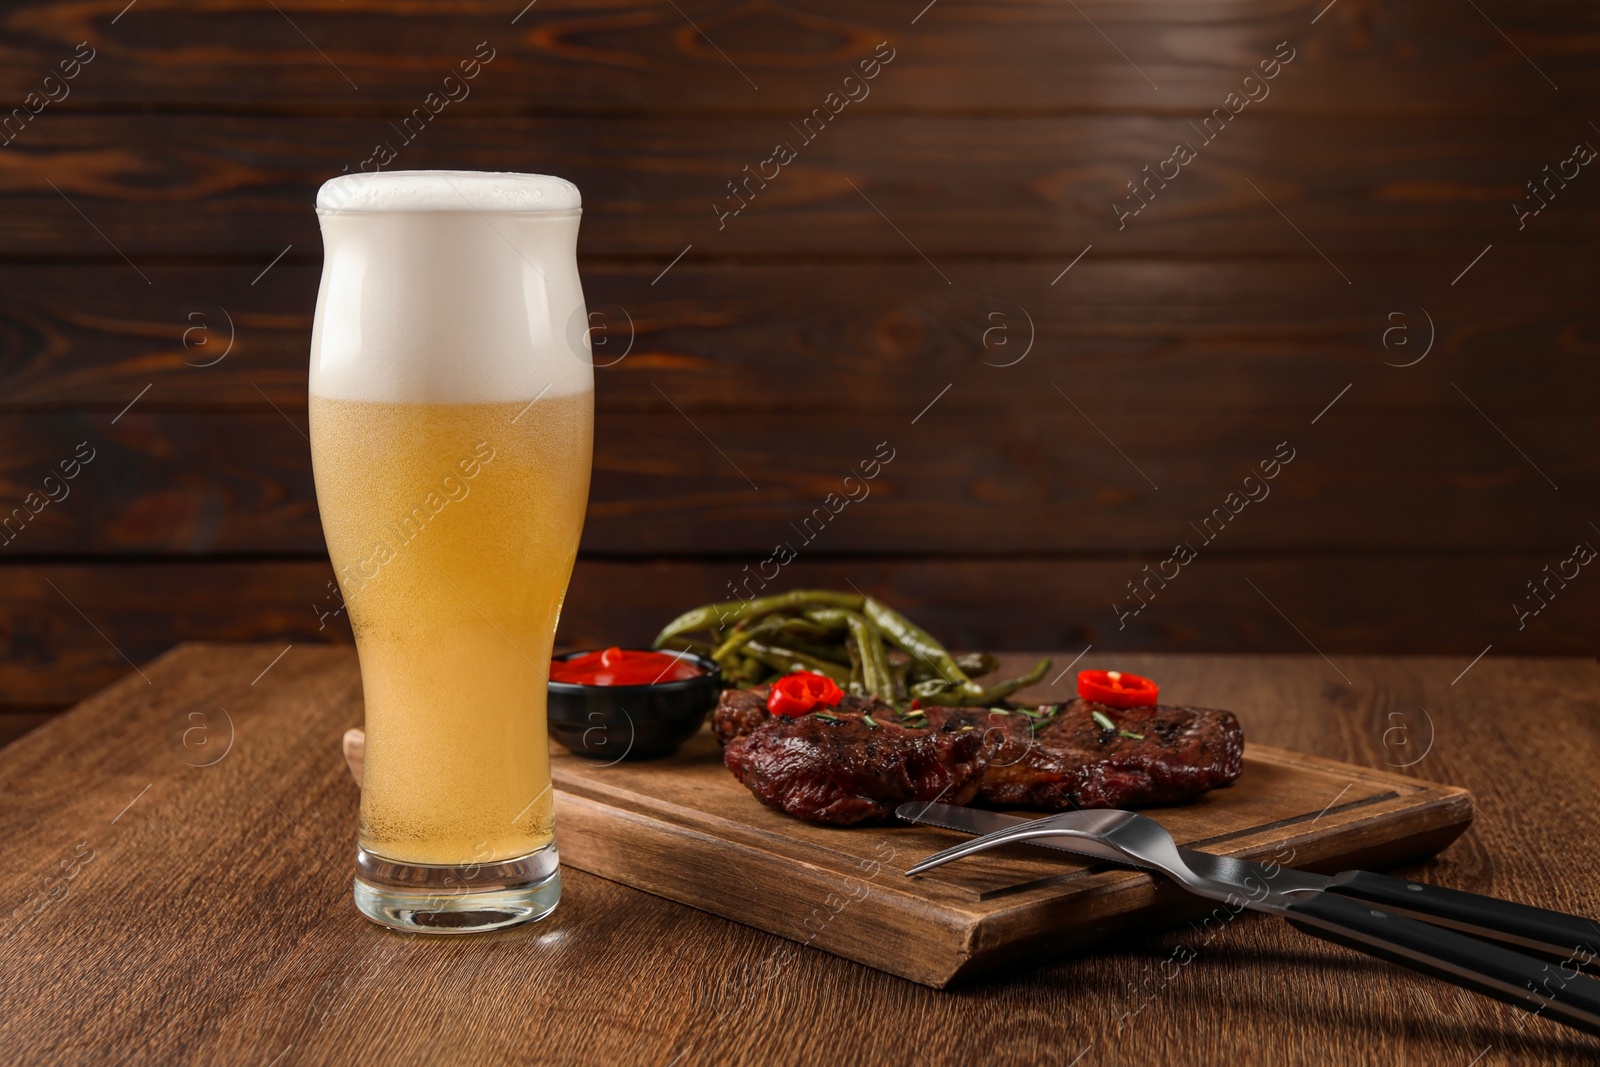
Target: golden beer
column 451, row 408
column 453, row 554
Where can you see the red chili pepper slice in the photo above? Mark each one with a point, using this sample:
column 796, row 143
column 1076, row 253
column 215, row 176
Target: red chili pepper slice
column 1117, row 689
column 797, row 694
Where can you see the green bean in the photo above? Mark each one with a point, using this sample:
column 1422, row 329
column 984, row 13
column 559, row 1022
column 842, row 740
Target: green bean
column 725, row 612
column 834, row 653
column 875, row 676
column 930, row 689
column 806, row 630
column 993, row 694
column 786, row 661
column 684, row 644
column 846, row 637
column 856, row 687
column 918, row 644
column 874, row 665
column 977, row 664
column 741, row 635
column 706, row 617
column 742, row 669
column 753, row 669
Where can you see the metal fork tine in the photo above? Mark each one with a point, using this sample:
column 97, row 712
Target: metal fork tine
column 967, row 848
column 1038, row 828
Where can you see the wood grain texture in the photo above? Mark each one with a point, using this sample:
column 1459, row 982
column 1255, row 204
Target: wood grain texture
column 203, row 464
column 1230, row 338
column 265, row 955
column 1362, row 57
column 1047, row 477
column 684, row 829
column 1455, row 606
column 15, row 722
column 956, row 186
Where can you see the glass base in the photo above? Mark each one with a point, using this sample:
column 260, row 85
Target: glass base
column 465, row 899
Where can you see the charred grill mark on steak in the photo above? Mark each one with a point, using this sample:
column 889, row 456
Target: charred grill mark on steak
column 846, row 771
column 740, row 711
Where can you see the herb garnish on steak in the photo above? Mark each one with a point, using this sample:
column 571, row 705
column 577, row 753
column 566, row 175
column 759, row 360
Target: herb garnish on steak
column 865, row 758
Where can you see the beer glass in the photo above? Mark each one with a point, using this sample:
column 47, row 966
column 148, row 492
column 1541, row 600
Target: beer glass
column 451, row 409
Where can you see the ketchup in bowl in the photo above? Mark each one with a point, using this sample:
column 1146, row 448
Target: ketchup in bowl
column 616, row 666
column 630, row 703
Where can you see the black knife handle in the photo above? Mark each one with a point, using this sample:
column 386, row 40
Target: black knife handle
column 1568, row 937
column 1549, row 989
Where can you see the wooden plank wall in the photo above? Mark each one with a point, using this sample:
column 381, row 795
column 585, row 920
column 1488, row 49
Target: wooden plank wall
column 1340, row 273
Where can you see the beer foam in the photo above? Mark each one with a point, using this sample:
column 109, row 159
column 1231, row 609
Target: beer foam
column 447, row 190
column 449, row 287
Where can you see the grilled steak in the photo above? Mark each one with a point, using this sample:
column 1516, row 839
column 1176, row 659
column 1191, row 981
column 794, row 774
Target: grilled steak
column 845, row 769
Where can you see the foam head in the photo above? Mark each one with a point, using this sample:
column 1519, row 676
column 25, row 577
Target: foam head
column 449, row 287
column 446, row 190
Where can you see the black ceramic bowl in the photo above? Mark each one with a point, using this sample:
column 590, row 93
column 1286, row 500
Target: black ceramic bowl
column 632, row 722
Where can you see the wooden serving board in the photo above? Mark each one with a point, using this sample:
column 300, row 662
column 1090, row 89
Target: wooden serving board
column 684, row 829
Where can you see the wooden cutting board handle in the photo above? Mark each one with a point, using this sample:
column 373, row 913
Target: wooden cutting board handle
column 355, row 751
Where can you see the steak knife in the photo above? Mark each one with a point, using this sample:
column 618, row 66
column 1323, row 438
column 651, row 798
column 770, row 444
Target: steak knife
column 1424, row 927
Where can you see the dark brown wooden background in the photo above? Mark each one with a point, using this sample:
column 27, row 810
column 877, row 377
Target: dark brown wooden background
column 826, row 316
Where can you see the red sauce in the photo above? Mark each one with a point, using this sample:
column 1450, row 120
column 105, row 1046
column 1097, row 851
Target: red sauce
column 616, row 666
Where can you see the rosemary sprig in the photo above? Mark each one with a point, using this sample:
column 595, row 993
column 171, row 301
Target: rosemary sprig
column 869, row 720
column 1105, row 723
column 1131, row 735
column 825, row 716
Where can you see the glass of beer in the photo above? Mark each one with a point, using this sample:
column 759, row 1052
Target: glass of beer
column 452, row 411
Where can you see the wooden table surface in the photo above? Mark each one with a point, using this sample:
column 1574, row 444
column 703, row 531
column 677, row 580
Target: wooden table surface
column 177, row 887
